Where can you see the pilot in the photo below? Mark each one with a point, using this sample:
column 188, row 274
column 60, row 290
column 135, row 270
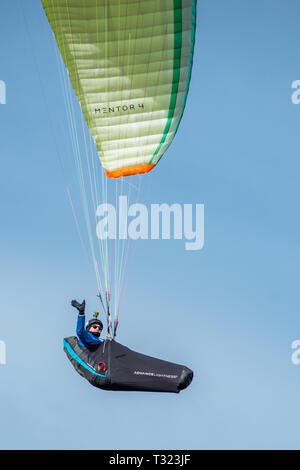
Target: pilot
column 88, row 335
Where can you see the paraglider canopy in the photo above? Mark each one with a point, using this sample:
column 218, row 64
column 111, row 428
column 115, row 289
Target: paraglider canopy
column 130, row 65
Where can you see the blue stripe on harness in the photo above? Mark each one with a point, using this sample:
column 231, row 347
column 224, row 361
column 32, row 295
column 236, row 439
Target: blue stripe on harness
column 80, row 361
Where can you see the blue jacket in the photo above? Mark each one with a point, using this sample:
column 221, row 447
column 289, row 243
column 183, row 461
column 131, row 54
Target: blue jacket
column 86, row 339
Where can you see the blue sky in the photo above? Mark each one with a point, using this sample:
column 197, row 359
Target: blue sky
column 229, row 311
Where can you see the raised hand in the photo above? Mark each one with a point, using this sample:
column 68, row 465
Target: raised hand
column 80, row 307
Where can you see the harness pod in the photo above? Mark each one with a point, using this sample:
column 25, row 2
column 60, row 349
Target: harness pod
column 112, row 366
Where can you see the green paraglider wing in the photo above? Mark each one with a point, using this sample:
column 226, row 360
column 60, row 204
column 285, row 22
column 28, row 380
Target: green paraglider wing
column 129, row 62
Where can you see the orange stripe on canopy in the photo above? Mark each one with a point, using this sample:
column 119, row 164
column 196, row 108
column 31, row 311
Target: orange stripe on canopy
column 130, row 170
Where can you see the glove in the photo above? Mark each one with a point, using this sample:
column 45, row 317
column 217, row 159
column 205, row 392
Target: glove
column 80, row 307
